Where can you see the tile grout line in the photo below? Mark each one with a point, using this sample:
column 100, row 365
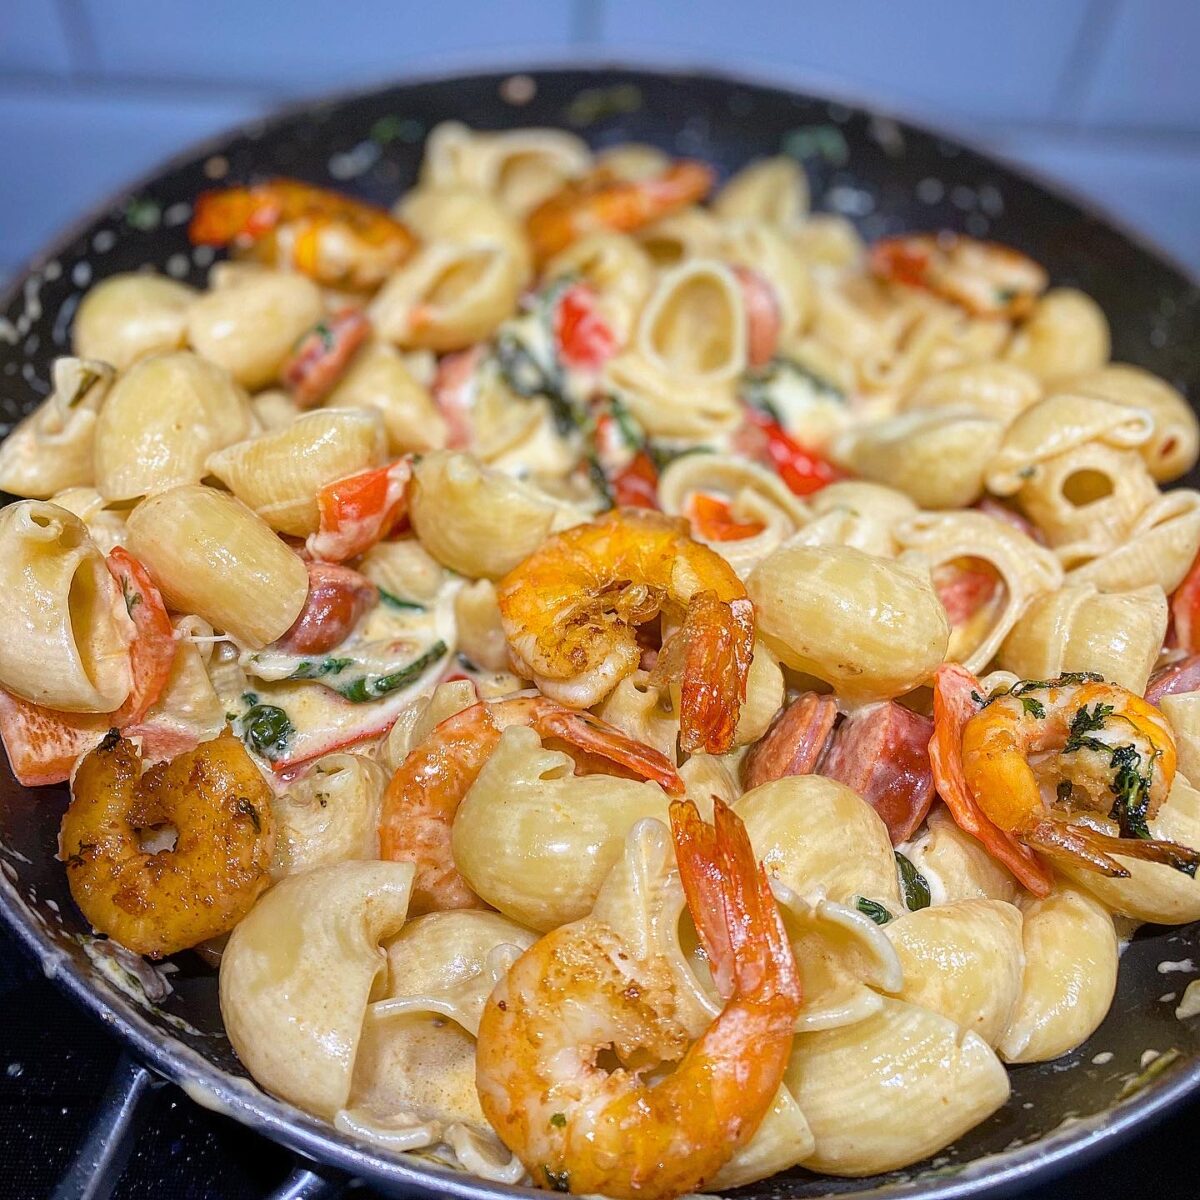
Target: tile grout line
column 1079, row 70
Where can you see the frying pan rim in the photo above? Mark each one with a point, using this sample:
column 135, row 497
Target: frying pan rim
column 1040, row 1159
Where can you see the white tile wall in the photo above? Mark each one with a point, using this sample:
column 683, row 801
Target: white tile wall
column 1102, row 93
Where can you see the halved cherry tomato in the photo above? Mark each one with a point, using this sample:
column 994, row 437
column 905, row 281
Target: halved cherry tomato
column 360, row 510
column 803, row 471
column 1185, row 610
column 43, row 744
column 763, row 318
column 713, row 519
column 583, row 336
column 957, row 697
column 321, row 356
column 636, row 485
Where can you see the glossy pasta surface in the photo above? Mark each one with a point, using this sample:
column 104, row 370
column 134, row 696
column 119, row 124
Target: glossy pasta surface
column 393, row 599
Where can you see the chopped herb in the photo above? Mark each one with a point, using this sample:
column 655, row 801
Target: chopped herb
column 466, row 663
column 322, row 330
column 559, row 1181
column 558, row 1120
column 132, row 598
column 394, row 601
column 915, row 885
column 1064, row 791
column 267, row 730
column 1006, row 295
column 250, row 699
column 600, row 480
column 246, row 809
column 872, row 909
column 110, row 740
column 631, row 432
column 1153, row 1070
column 1037, row 685
column 231, row 717
column 1083, row 725
column 980, row 700
column 758, row 385
column 372, row 687
column 1032, row 707
column 1027, row 472
column 529, row 379
column 392, row 128
column 315, row 670
column 1132, row 791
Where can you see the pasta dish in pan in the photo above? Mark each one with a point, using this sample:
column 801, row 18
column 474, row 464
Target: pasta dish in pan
column 637, row 689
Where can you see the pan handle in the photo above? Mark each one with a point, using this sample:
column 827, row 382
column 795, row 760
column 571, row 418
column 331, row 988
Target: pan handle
column 101, row 1158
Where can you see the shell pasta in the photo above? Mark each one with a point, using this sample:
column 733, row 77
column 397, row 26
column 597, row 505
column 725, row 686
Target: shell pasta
column 645, row 690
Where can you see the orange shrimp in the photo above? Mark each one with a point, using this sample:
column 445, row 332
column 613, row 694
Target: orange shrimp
column 571, row 609
column 578, row 1127
column 603, row 201
column 985, row 278
column 335, row 239
column 427, row 788
column 1032, row 758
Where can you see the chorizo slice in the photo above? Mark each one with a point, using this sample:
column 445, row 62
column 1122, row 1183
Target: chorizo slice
column 794, row 743
column 882, row 752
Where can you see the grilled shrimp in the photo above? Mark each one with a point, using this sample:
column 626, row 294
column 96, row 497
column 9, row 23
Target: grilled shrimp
column 571, row 609
column 334, row 239
column 158, row 903
column 427, row 788
column 985, row 278
column 603, row 201
column 581, row 1128
column 1043, row 752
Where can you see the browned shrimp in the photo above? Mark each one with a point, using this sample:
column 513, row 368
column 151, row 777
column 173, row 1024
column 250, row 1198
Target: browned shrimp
column 429, row 785
column 570, row 612
column 158, row 903
column 581, row 1127
column 335, row 239
column 602, row 201
column 985, row 278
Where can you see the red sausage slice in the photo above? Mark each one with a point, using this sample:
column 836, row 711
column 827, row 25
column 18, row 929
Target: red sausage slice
column 794, row 744
column 1182, row 676
column 337, row 598
column 883, row 754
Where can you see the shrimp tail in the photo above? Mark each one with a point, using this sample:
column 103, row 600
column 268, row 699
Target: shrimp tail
column 716, row 644
column 734, row 911
column 1093, row 847
column 589, row 733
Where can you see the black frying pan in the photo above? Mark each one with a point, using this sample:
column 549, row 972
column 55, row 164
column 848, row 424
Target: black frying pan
column 888, row 176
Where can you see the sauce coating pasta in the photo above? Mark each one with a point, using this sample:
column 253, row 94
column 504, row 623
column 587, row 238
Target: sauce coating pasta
column 641, row 686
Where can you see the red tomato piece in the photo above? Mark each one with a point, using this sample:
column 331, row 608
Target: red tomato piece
column 320, row 358
column 152, row 650
column 360, row 510
column 636, row 485
column 583, row 336
column 803, row 471
column 1185, row 611
column 713, row 520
